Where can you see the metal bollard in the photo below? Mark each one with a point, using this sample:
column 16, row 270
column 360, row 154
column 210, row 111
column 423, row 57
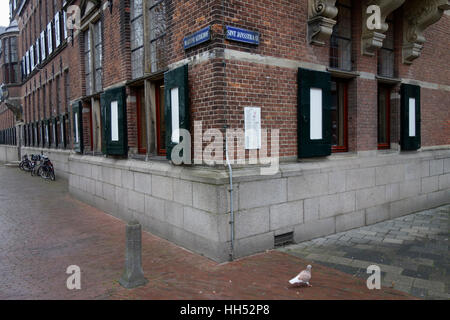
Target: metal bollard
column 133, row 275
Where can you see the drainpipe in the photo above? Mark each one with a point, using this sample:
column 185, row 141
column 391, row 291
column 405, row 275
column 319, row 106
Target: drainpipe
column 231, row 196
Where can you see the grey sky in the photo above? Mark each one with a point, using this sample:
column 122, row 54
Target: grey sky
column 4, row 13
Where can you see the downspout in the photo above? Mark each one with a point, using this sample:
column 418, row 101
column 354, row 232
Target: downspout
column 231, row 197
column 226, row 150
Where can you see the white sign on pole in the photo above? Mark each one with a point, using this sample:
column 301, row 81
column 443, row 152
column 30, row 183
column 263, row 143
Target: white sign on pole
column 252, row 117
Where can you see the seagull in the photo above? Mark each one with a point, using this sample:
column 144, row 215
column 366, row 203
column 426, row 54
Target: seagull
column 302, row 277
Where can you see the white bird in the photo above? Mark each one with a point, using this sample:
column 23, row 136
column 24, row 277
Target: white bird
column 302, row 277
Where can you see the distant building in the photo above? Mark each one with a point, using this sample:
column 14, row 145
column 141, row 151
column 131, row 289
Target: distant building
column 362, row 112
column 11, row 81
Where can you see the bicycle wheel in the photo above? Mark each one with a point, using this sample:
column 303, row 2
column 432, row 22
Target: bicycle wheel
column 26, row 167
column 52, row 175
column 21, row 166
column 43, row 173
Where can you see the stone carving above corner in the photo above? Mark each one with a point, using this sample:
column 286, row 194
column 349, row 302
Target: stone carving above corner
column 16, row 108
column 321, row 14
column 372, row 40
column 419, row 15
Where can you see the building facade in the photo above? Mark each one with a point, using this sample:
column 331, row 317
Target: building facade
column 11, row 82
column 336, row 113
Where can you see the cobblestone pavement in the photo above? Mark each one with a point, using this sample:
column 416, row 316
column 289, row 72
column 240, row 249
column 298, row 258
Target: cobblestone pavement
column 412, row 252
column 43, row 231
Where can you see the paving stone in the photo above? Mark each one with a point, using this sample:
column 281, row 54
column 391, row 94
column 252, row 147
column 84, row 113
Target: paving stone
column 430, row 285
column 359, row 240
column 436, row 295
column 415, row 274
column 419, row 292
column 394, row 241
column 401, row 287
column 411, row 250
column 373, row 238
column 399, row 279
column 366, row 232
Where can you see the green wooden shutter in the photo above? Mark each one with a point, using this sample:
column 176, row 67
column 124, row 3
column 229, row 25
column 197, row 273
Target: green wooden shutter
column 176, row 79
column 113, row 107
column 46, row 126
column 41, row 135
column 312, row 82
column 77, row 110
column 62, row 131
column 410, row 98
column 55, row 130
column 32, row 135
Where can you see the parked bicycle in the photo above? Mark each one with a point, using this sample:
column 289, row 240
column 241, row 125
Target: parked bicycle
column 35, row 167
column 25, row 164
column 39, row 165
column 46, row 170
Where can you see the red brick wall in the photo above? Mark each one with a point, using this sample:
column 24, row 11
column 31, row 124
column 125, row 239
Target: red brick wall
column 116, row 44
column 283, row 29
column 220, row 89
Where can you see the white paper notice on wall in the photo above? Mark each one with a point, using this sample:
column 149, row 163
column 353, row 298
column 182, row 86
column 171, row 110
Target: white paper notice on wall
column 174, row 98
column 412, row 117
column 252, row 117
column 315, row 114
column 114, row 121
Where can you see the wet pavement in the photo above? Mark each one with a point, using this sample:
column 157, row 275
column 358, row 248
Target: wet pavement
column 43, row 231
column 412, row 252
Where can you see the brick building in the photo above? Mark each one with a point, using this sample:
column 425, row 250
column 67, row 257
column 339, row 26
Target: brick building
column 358, row 115
column 11, row 81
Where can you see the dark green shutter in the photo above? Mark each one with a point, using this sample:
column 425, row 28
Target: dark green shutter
column 77, row 110
column 46, row 126
column 55, row 136
column 41, row 135
column 409, row 143
column 308, row 147
column 110, row 147
column 177, row 78
column 62, row 128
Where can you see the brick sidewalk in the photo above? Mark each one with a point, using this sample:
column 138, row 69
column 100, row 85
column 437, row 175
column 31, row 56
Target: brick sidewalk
column 43, row 231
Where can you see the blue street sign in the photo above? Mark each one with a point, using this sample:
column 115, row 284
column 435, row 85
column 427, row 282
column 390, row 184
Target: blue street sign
column 200, row 36
column 242, row 35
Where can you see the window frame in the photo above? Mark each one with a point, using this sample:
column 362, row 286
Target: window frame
column 90, row 49
column 344, row 147
column 391, row 25
column 157, row 38
column 387, row 91
column 97, row 49
column 50, row 38
column 140, row 106
column 57, row 27
column 160, row 139
column 335, row 36
column 133, row 20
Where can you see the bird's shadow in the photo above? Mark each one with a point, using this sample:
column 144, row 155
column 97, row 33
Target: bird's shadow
column 299, row 285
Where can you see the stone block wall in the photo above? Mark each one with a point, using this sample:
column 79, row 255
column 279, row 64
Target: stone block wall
column 190, row 206
column 8, row 153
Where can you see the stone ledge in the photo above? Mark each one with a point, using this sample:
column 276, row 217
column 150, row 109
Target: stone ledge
column 216, row 176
